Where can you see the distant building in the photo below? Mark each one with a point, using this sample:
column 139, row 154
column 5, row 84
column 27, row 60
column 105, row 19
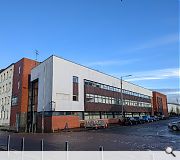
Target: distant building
column 14, row 93
column 6, row 82
column 174, row 108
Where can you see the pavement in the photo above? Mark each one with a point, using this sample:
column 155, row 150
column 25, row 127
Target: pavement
column 153, row 136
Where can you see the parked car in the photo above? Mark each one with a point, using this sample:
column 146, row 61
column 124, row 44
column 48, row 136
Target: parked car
column 146, row 118
column 130, row 121
column 95, row 124
column 151, row 118
column 142, row 119
column 127, row 121
column 161, row 117
column 175, row 126
column 138, row 119
column 154, row 118
column 133, row 120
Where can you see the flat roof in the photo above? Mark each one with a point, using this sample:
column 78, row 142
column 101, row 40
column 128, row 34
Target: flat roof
column 92, row 70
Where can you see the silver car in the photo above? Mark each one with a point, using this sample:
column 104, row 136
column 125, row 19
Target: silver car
column 175, row 126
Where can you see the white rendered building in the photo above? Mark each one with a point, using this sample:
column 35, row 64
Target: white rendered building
column 6, row 82
column 67, row 88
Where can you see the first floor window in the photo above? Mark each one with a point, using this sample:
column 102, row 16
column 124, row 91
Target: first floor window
column 75, row 98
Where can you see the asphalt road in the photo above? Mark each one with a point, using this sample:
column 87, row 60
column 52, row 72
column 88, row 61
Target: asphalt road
column 150, row 136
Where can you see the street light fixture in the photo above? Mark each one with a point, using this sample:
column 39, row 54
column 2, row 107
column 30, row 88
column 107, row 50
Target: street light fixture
column 122, row 110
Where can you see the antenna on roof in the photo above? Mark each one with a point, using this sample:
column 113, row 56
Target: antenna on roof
column 37, row 53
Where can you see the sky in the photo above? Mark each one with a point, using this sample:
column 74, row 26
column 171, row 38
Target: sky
column 137, row 37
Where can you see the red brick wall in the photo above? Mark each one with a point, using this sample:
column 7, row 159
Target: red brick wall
column 164, row 103
column 58, row 122
column 22, row 93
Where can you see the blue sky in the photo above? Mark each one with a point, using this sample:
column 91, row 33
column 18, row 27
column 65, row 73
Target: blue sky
column 138, row 37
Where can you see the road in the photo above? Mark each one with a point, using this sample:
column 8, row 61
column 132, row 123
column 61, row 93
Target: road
column 143, row 137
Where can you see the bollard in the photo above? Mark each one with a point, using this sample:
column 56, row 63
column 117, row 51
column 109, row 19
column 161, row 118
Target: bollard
column 8, row 142
column 66, row 146
column 42, row 145
column 22, row 144
column 101, row 148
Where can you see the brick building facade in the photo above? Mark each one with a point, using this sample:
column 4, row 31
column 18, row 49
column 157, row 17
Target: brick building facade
column 160, row 104
column 20, row 92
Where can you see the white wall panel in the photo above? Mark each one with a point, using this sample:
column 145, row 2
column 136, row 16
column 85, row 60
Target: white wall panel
column 44, row 72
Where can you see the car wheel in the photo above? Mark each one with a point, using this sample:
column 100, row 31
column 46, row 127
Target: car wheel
column 174, row 128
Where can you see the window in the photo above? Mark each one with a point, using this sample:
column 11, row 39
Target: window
column 89, row 98
column 7, row 114
column 75, row 98
column 9, row 88
column 6, row 88
column 14, row 101
column 5, row 100
column 18, row 84
column 7, row 75
column 19, row 69
column 104, row 99
column 10, row 73
column 75, row 88
column 75, row 79
column 1, row 114
column 4, row 115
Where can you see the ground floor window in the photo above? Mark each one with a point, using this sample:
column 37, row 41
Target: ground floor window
column 117, row 114
column 108, row 115
column 91, row 115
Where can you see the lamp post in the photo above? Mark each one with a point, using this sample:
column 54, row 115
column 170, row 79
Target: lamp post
column 122, row 110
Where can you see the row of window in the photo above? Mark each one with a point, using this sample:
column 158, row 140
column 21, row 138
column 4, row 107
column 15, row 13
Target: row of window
column 107, row 115
column 115, row 89
column 5, row 88
column 5, row 101
column 109, row 100
column 5, row 76
column 4, row 115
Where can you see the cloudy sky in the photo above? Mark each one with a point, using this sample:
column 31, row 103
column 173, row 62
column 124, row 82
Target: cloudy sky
column 138, row 37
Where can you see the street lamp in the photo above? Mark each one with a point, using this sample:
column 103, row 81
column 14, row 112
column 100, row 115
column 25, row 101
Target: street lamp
column 122, row 110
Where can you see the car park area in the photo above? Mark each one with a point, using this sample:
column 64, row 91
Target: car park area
column 141, row 137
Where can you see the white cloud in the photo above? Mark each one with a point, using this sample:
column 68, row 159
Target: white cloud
column 165, row 40
column 111, row 62
column 155, row 74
